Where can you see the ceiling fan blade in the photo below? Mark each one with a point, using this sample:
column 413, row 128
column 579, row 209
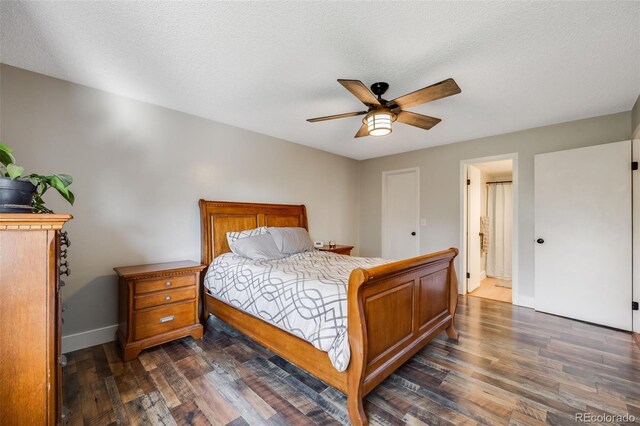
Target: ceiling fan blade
column 417, row 120
column 333, row 117
column 360, row 91
column 436, row 91
column 364, row 131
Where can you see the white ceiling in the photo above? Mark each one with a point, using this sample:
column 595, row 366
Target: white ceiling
column 267, row 66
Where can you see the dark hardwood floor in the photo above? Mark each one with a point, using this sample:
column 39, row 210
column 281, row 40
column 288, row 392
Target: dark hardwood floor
column 511, row 366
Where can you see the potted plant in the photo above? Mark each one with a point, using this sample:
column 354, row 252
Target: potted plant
column 23, row 194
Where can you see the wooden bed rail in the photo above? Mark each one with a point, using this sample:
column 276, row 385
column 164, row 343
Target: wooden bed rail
column 383, row 333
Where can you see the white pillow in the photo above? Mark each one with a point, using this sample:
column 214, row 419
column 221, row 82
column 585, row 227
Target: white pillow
column 234, row 236
column 258, row 247
column 291, row 240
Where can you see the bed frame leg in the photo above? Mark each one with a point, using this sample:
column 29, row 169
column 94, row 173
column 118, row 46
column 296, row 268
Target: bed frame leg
column 356, row 410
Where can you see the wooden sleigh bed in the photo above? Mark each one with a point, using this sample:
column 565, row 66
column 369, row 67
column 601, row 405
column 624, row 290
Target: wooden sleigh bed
column 393, row 310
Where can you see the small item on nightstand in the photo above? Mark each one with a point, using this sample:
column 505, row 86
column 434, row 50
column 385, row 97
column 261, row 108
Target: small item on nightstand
column 318, row 244
column 332, row 244
column 346, row 250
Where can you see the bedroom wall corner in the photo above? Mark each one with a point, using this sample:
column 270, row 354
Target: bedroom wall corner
column 635, row 120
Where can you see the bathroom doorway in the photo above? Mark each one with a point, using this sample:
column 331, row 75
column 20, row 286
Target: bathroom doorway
column 489, row 230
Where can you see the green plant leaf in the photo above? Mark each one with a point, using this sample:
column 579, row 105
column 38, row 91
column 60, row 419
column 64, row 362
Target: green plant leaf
column 14, row 171
column 43, row 183
column 38, row 205
column 71, row 198
column 5, row 148
column 5, row 158
column 5, row 155
column 56, row 183
column 38, row 181
column 66, row 179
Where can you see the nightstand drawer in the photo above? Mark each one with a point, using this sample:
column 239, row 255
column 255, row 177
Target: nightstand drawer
column 148, row 286
column 160, row 320
column 163, row 298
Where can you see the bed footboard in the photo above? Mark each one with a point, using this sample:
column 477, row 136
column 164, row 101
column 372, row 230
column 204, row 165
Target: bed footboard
column 393, row 311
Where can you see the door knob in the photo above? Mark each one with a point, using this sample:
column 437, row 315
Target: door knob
column 540, row 241
column 413, row 233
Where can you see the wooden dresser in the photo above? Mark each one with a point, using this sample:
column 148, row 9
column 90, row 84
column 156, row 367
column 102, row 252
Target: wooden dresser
column 30, row 319
column 157, row 303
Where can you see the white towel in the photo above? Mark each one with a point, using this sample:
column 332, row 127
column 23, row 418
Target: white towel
column 484, row 233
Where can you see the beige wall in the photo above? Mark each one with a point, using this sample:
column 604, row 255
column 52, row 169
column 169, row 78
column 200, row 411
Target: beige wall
column 440, row 184
column 139, row 171
column 635, row 119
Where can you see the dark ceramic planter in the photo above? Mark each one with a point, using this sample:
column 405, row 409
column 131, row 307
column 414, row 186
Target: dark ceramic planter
column 16, row 196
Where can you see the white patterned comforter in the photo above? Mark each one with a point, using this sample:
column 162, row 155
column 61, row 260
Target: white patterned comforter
column 304, row 294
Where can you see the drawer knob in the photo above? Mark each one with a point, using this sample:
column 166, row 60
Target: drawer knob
column 168, row 283
column 167, row 298
column 167, row 319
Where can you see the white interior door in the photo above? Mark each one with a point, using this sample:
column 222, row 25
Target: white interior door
column 583, row 229
column 400, row 214
column 473, row 227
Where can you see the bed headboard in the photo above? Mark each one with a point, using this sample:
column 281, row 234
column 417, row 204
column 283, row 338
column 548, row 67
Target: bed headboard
column 219, row 217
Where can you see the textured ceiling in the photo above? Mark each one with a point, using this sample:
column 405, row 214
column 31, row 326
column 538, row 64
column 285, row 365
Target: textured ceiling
column 267, row 66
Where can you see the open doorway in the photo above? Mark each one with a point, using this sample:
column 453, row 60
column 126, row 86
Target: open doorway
column 489, row 227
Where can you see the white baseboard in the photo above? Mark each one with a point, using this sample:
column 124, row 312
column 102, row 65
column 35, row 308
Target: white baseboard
column 526, row 301
column 88, row 338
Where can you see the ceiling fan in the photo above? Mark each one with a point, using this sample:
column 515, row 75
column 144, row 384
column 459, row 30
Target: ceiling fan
column 381, row 113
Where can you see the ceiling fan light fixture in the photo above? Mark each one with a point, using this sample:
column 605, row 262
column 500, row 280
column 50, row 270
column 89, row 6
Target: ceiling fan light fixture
column 381, row 113
column 379, row 122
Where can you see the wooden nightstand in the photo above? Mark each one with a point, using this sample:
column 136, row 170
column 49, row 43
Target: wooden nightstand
column 346, row 250
column 157, row 303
